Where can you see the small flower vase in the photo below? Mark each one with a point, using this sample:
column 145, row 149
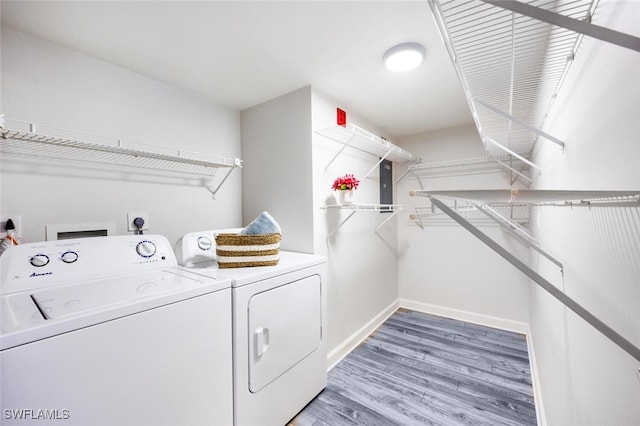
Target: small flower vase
column 345, row 197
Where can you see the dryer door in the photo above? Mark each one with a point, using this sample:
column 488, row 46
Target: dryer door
column 285, row 326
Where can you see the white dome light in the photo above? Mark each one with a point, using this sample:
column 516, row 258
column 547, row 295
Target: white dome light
column 404, row 57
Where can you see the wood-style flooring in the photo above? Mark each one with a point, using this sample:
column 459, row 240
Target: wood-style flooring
column 420, row 369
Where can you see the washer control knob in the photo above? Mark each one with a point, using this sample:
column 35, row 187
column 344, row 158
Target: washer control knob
column 69, row 256
column 205, row 243
column 146, row 248
column 39, row 260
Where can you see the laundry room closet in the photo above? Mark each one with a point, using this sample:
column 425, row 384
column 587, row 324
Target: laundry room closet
column 204, row 163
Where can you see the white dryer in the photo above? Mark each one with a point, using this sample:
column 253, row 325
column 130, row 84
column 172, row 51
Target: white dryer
column 279, row 326
column 110, row 330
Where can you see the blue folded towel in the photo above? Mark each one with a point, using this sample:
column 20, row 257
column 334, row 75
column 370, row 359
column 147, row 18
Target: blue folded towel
column 261, row 225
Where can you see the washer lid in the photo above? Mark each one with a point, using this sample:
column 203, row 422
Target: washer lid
column 32, row 315
column 69, row 300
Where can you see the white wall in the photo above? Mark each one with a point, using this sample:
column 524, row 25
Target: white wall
column 586, row 379
column 445, row 269
column 276, row 150
column 49, row 84
column 362, row 264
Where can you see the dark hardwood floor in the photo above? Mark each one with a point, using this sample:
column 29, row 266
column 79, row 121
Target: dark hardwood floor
column 420, row 369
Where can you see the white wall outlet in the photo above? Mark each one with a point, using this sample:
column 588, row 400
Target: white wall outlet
column 17, row 222
column 132, row 216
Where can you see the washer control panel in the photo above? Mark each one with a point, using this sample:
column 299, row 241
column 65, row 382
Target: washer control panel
column 146, row 249
column 39, row 260
column 199, row 247
column 37, row 265
column 205, row 243
column 69, row 256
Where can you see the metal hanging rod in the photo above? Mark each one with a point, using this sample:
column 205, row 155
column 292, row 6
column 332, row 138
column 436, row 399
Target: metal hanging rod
column 539, row 196
column 583, row 27
column 570, row 303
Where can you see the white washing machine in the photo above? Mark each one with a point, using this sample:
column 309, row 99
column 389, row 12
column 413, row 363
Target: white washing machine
column 111, row 331
column 279, row 321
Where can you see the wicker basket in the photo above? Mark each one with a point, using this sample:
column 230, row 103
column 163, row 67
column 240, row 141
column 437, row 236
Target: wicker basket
column 239, row 251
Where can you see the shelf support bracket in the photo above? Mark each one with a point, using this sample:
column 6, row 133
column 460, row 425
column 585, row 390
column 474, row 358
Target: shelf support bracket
column 582, row 27
column 340, row 224
column 610, row 333
column 510, row 152
column 516, row 120
column 378, row 163
column 412, row 169
column 517, row 231
column 215, row 191
column 339, row 152
column 407, row 170
column 391, row 216
column 522, row 175
column 418, row 218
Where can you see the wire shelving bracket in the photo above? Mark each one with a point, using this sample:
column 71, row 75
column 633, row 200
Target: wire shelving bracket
column 394, row 209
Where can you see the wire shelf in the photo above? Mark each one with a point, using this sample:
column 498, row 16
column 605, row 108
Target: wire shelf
column 358, row 138
column 366, row 207
column 510, row 63
column 34, row 145
column 467, row 165
column 518, row 213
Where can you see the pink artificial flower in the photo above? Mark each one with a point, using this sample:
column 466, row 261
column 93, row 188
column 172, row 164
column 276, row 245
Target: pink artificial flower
column 345, row 182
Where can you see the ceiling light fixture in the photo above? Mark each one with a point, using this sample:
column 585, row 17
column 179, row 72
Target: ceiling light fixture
column 404, row 57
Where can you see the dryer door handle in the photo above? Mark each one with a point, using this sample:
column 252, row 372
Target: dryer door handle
column 261, row 341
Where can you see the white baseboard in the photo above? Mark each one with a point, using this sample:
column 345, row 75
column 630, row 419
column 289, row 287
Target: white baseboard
column 358, row 337
column 535, row 380
column 480, row 319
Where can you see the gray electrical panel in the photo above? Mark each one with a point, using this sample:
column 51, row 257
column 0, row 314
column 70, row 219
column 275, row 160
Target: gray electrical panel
column 386, row 184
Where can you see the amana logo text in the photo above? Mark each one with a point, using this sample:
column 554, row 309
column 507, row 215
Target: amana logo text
column 35, row 274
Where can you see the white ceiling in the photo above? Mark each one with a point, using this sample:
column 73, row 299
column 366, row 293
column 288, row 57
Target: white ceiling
column 241, row 53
